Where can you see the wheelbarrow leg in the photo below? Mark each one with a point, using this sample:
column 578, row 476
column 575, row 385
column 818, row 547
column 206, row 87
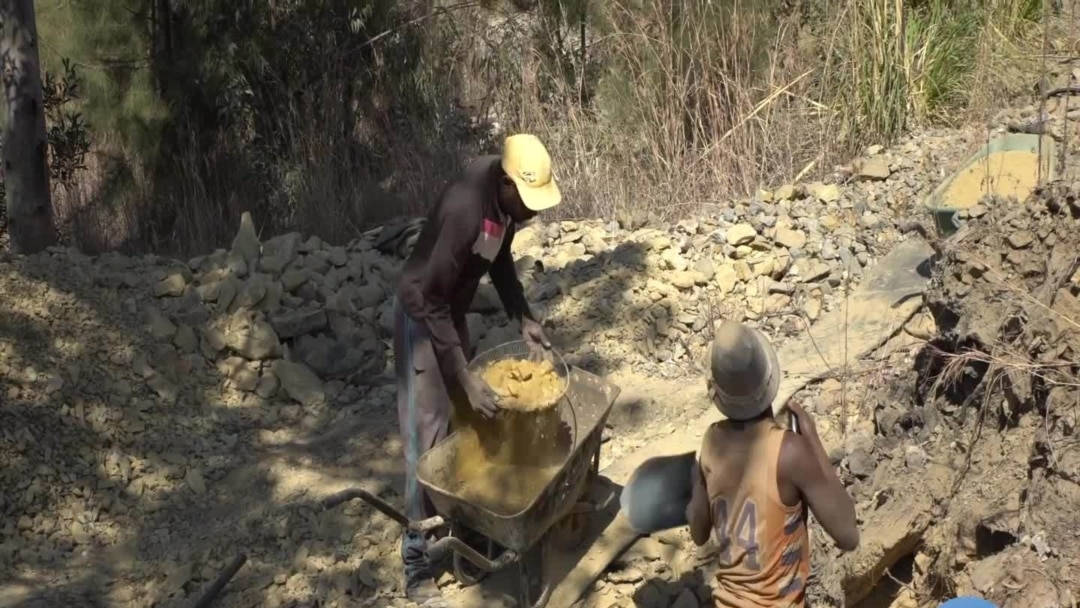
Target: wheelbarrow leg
column 525, row 584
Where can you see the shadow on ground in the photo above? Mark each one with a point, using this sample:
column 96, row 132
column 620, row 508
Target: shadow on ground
column 134, row 472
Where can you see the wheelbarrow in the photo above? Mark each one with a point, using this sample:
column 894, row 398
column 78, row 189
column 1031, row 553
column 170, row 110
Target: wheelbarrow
column 554, row 515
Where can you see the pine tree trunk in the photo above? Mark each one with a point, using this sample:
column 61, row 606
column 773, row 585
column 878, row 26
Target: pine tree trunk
column 26, row 178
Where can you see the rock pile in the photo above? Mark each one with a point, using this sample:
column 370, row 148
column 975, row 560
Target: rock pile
column 141, row 394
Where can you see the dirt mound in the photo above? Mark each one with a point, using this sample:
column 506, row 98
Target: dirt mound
column 969, row 479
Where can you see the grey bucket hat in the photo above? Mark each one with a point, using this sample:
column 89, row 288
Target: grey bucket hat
column 745, row 371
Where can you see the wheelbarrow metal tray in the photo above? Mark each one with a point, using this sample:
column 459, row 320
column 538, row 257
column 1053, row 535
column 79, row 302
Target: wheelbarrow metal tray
column 591, row 398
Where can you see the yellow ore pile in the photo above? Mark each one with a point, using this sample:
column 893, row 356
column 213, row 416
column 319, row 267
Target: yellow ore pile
column 503, row 464
column 523, row 385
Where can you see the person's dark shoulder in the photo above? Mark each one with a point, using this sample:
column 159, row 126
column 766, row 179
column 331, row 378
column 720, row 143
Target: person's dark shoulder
column 795, row 455
column 461, row 204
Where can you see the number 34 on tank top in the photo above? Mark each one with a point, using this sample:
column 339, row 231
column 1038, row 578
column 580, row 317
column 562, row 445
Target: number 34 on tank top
column 745, row 539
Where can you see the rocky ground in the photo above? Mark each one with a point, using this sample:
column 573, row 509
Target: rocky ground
column 159, row 417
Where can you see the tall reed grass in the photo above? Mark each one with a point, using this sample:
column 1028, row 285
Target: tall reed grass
column 653, row 110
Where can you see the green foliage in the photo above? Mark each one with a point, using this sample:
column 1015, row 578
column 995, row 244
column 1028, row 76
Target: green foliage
column 916, row 60
column 65, row 129
column 67, row 132
column 322, row 115
column 109, row 43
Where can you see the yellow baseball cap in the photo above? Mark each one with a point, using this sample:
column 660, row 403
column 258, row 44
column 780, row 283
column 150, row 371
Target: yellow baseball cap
column 527, row 162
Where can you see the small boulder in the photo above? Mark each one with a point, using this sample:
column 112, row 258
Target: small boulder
column 236, row 264
column 246, row 243
column 790, row 238
column 299, row 382
column 292, row 279
column 227, row 293
column 741, row 234
column 171, row 286
column 185, row 339
column 279, row 252
column 245, row 379
column 338, row 256
column 158, row 325
column 705, row 267
column 785, row 192
column 875, row 168
column 368, row 295
column 290, row 324
column 813, row 270
column 1021, row 239
column 252, row 339
column 252, row 294
column 726, row 278
column 826, row 193
column 683, row 279
column 267, row 386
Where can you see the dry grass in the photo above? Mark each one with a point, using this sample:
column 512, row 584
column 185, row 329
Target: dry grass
column 653, row 111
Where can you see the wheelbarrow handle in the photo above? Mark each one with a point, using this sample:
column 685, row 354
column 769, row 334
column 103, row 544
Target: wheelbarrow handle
column 427, row 525
column 423, row 525
column 352, row 493
column 439, row 549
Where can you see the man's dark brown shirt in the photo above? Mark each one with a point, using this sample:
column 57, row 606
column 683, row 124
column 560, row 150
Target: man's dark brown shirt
column 466, row 235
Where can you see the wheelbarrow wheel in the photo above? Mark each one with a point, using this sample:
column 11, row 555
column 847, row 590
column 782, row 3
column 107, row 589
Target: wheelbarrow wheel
column 466, row 572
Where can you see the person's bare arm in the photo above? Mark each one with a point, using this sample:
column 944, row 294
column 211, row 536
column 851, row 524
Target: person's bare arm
column 805, row 464
column 697, row 511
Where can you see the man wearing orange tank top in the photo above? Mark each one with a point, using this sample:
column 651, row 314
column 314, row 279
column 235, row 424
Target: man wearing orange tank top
column 754, row 480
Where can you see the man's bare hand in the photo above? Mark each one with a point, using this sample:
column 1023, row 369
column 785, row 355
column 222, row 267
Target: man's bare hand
column 533, row 334
column 804, row 420
column 481, row 398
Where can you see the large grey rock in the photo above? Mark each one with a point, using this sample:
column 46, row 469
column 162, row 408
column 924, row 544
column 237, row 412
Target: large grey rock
column 292, row 279
column 236, row 264
column 330, row 357
column 172, row 285
column 875, row 168
column 292, row 323
column 726, row 278
column 813, row 270
column 741, row 234
column 190, row 308
column 251, row 338
column 790, row 238
column 227, row 293
column 279, row 252
column 158, row 325
column 299, row 382
column 252, row 293
column 185, row 339
column 271, row 302
column 369, row 295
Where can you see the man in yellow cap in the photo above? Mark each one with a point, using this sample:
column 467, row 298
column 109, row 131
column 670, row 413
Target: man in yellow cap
column 468, row 233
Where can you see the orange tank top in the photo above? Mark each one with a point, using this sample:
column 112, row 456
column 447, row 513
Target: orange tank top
column 764, row 555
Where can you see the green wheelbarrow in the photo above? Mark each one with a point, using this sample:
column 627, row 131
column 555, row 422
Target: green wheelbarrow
column 944, row 211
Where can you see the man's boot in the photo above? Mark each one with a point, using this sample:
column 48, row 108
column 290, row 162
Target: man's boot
column 420, row 584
